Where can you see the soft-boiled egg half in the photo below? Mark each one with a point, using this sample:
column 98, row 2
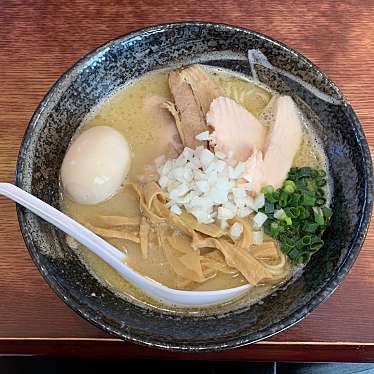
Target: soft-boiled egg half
column 95, row 165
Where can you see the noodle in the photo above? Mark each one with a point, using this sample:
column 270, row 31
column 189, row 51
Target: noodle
column 144, row 237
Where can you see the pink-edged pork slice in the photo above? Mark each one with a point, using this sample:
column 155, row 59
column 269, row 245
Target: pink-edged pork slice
column 282, row 143
column 236, row 131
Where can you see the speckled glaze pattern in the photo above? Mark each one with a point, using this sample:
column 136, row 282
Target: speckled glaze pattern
column 114, row 64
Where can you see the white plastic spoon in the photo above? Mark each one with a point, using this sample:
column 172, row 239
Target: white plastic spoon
column 115, row 258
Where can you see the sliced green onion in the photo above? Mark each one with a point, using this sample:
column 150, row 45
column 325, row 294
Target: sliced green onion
column 280, row 215
column 276, row 195
column 310, row 227
column 318, row 216
column 314, row 173
column 320, row 201
column 293, row 212
column 286, row 248
column 316, row 244
column 297, row 215
column 322, row 173
column 272, row 197
column 295, row 199
column 289, row 186
column 275, row 229
column 294, row 254
column 269, row 207
column 312, row 185
column 288, row 220
column 305, row 257
column 289, row 240
column 305, row 171
column 327, row 213
column 304, row 213
column 308, row 200
column 301, row 183
column 267, row 226
column 284, row 199
column 321, row 182
column 320, row 192
column 267, row 190
column 306, row 240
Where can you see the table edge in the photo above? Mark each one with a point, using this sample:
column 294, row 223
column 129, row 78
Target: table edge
column 262, row 351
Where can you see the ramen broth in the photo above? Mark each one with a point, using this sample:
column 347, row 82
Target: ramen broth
column 129, row 111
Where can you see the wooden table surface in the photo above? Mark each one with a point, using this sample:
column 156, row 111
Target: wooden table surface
column 39, row 40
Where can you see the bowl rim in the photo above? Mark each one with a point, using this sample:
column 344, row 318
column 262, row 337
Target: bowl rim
column 301, row 312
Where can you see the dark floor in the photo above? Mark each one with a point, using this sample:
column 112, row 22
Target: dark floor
column 30, row 365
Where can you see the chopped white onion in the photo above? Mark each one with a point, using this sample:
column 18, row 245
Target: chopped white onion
column 203, row 136
column 278, row 214
column 249, row 202
column 175, row 209
column 199, row 175
column 218, row 196
column 220, row 165
column 195, row 162
column 257, row 237
column 239, row 192
column 206, row 157
column 201, row 216
column 181, row 190
column 259, row 219
column 229, row 205
column 224, row 213
column 259, row 201
column 244, row 212
column 223, row 224
column 207, row 185
column 236, row 230
column 202, row 186
column 166, row 168
column 172, row 185
column 188, row 174
column 188, row 153
column 163, row 181
column 178, row 174
column 203, row 202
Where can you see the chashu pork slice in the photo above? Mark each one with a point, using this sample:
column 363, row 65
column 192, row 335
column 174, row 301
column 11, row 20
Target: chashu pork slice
column 255, row 172
column 193, row 91
column 236, row 131
column 203, row 87
column 190, row 121
column 282, row 142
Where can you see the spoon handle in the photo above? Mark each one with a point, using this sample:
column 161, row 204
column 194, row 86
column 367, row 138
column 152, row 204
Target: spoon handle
column 60, row 220
column 113, row 257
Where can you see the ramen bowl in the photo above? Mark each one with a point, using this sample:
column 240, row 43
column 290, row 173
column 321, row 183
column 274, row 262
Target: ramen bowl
column 111, row 66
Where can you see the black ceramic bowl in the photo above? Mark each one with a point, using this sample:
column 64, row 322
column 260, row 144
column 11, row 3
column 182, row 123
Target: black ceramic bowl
column 112, row 65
